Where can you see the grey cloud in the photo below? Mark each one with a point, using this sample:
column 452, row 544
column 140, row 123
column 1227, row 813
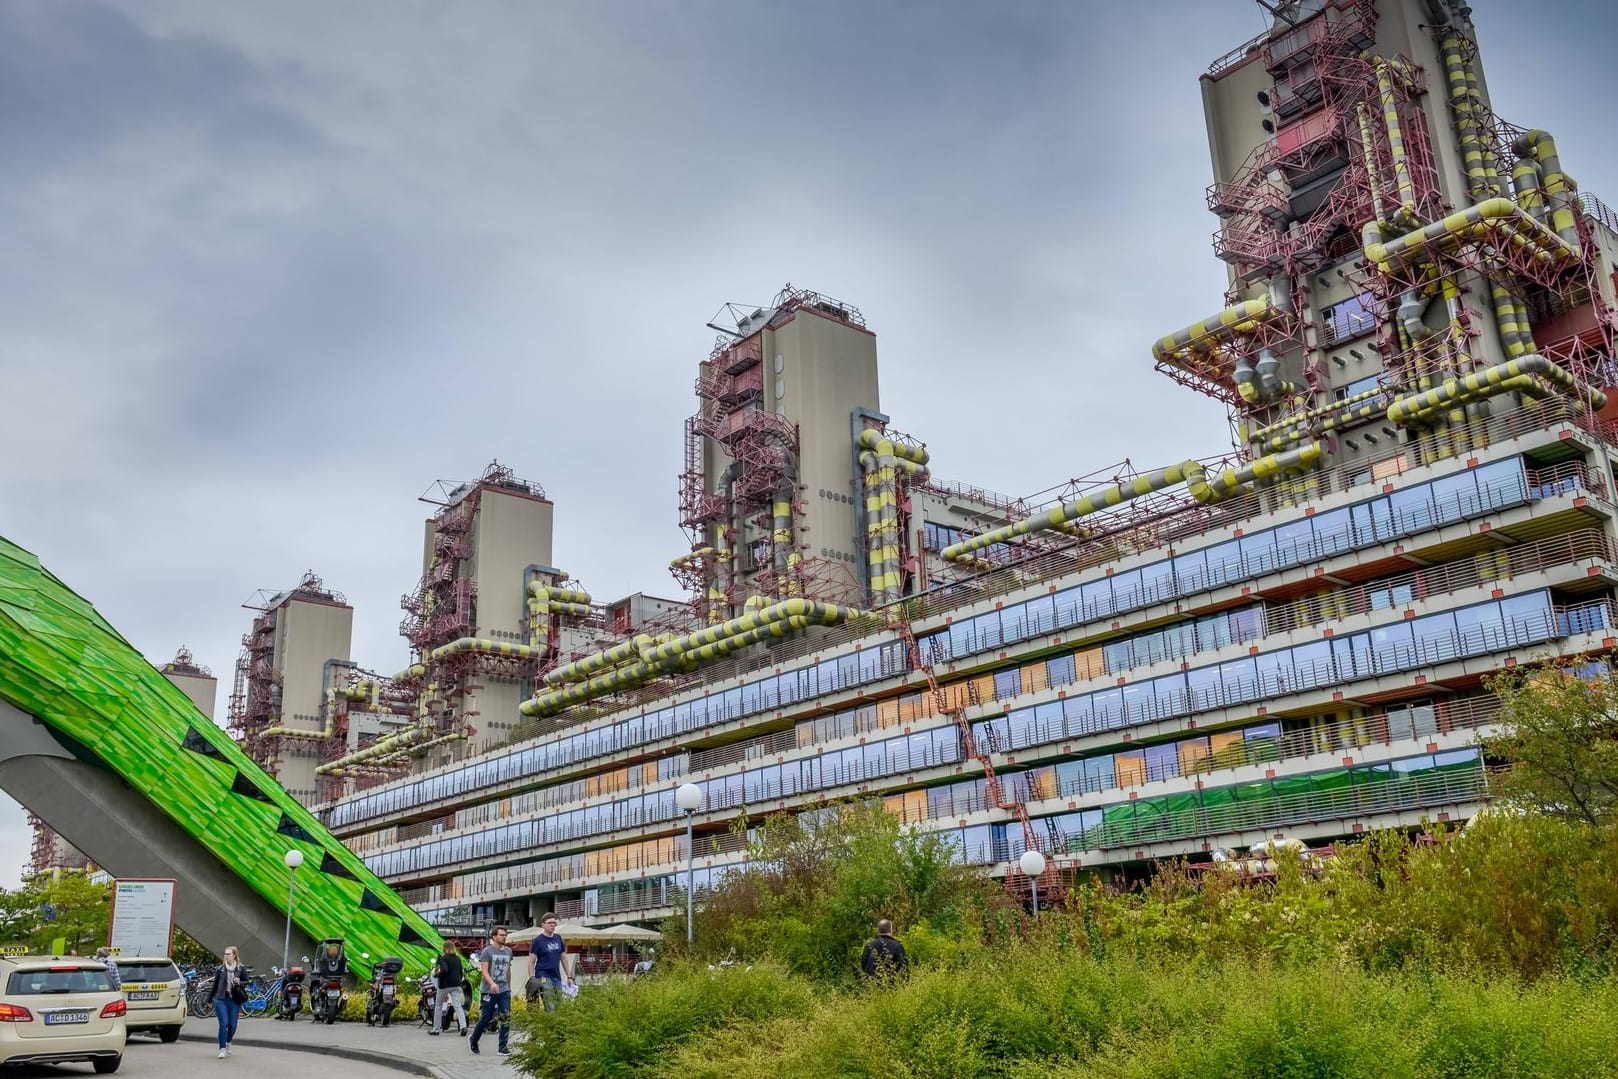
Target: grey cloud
column 271, row 268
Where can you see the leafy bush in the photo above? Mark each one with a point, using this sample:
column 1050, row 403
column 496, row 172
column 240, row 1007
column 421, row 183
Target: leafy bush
column 816, row 883
column 630, row 1029
column 1522, row 894
column 1040, row 1011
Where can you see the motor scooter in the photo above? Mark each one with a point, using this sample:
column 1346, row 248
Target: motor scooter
column 326, row 999
column 292, row 991
column 427, row 1002
column 326, row 996
column 384, row 991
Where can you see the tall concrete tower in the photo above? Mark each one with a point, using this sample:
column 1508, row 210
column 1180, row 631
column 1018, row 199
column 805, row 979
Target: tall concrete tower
column 1386, row 233
column 488, row 541
column 197, row 683
column 298, row 643
column 768, row 493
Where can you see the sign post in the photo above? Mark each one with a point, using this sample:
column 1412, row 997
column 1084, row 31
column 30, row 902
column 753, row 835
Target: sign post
column 142, row 916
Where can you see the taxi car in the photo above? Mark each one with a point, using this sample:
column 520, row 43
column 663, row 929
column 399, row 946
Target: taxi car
column 56, row 1010
column 154, row 989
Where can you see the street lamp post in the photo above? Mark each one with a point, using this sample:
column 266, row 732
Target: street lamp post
column 689, row 798
column 293, row 859
column 1032, row 863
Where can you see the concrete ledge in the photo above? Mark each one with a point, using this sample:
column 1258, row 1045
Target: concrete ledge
column 346, row 1052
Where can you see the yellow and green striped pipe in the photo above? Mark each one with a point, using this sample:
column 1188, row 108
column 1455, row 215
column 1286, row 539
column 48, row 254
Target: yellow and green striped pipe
column 1372, row 173
column 1419, row 407
column 882, row 461
column 1396, row 141
column 1191, row 473
column 1498, row 220
column 688, row 652
column 1244, row 317
column 1468, row 122
column 547, row 602
column 1559, row 188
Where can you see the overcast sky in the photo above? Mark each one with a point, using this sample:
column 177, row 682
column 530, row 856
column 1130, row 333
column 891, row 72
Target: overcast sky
column 271, row 269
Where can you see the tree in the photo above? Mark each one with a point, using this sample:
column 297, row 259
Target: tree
column 68, row 905
column 816, row 883
column 1559, row 734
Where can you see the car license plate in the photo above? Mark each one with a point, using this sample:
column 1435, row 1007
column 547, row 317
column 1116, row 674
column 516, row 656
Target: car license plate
column 58, row 1018
column 143, row 996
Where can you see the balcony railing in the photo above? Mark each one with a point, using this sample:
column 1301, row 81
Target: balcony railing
column 1395, row 795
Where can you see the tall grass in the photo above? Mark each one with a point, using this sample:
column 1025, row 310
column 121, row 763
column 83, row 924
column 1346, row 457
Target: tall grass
column 1066, row 1015
column 1489, row 953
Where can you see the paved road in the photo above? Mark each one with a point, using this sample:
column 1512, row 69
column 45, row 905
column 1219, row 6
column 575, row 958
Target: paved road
column 405, row 1045
column 146, row 1058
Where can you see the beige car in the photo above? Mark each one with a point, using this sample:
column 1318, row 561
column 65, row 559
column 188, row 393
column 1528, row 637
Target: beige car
column 155, row 990
column 56, row 1011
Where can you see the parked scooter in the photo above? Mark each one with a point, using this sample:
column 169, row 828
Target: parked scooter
column 326, row 997
column 427, row 1003
column 292, row 991
column 384, row 991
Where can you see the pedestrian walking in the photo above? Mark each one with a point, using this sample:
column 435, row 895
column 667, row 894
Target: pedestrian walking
column 229, row 994
column 548, row 949
column 884, row 957
column 450, row 972
column 494, row 989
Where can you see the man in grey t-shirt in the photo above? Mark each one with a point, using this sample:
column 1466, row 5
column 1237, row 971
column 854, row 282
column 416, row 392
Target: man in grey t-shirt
column 494, row 991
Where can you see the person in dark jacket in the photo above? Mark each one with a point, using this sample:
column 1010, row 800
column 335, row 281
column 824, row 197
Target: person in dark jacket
column 451, row 974
column 884, row 958
column 229, row 991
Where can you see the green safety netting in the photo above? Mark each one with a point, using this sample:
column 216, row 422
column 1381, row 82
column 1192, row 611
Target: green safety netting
column 61, row 662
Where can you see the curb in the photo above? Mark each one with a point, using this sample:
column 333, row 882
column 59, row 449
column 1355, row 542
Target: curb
column 368, row 1056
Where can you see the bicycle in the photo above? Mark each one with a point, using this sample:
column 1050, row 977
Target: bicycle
column 264, row 998
column 199, row 996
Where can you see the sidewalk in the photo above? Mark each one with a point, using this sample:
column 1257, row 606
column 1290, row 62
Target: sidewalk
column 404, row 1046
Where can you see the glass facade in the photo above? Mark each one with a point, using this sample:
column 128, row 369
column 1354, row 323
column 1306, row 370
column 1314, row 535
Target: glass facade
column 1362, row 526
column 500, row 818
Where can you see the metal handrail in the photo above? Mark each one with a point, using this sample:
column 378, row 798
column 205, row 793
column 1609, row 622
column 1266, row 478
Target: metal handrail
column 1233, row 59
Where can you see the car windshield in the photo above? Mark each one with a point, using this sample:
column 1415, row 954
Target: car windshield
column 148, row 972
column 25, row 983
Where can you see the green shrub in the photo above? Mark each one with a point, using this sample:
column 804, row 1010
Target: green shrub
column 630, row 1028
column 1045, row 1013
column 816, row 884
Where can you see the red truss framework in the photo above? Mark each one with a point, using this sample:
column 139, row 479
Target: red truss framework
column 1319, row 78
column 440, row 610
column 1210, row 369
column 1322, row 80
column 1573, row 325
column 694, row 571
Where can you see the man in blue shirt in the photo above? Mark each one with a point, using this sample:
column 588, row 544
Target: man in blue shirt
column 548, row 949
